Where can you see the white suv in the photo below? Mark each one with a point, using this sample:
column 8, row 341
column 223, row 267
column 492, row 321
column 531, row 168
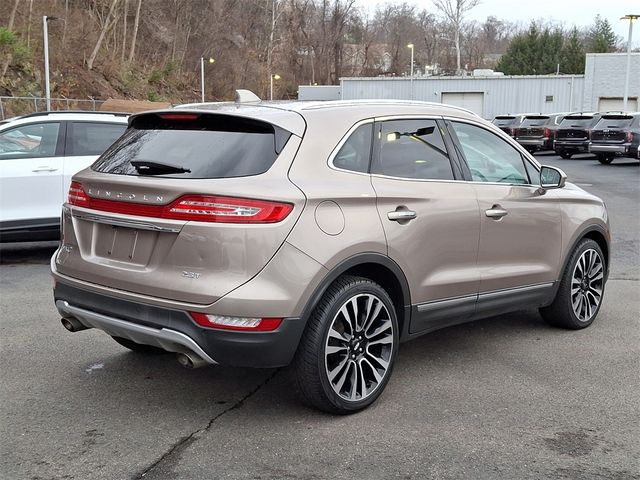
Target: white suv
column 38, row 155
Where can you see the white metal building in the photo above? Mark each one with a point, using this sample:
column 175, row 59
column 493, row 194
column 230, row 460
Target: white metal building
column 486, row 96
column 600, row 88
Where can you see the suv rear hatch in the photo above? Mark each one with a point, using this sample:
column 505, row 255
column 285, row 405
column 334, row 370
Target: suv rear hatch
column 185, row 206
column 505, row 123
column 575, row 127
column 532, row 127
column 611, row 129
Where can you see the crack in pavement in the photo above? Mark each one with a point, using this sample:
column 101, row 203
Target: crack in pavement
column 187, row 440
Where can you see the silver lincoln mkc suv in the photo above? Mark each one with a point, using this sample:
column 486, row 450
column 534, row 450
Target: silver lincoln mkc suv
column 321, row 235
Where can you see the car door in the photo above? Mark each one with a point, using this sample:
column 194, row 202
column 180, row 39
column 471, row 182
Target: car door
column 85, row 142
column 430, row 219
column 31, row 168
column 520, row 225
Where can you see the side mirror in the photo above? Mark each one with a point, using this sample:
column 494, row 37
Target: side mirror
column 552, row 177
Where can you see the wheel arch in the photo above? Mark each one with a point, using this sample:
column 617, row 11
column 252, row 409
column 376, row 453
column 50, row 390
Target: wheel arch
column 378, row 268
column 596, row 233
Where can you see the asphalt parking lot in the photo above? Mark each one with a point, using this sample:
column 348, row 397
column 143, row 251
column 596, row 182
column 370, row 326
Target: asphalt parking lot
column 508, row 397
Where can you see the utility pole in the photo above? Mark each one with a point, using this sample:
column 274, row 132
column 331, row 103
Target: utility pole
column 45, row 33
column 631, row 18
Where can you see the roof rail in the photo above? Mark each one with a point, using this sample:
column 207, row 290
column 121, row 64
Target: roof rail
column 44, row 114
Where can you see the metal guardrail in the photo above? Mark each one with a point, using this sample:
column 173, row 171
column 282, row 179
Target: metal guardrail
column 14, row 106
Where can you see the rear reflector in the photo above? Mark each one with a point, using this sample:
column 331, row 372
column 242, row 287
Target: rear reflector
column 197, row 208
column 236, row 323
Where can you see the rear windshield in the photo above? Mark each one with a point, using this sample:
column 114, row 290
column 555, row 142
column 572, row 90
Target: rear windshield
column 194, row 146
column 576, row 121
column 503, row 120
column 614, row 121
column 536, row 121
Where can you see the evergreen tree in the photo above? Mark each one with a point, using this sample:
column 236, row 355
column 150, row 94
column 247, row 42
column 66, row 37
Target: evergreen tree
column 535, row 52
column 572, row 56
column 601, row 38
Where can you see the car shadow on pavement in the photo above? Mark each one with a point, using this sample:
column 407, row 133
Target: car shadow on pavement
column 27, row 252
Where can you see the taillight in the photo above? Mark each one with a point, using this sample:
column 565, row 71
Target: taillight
column 515, row 132
column 546, row 132
column 236, row 323
column 205, row 208
column 179, row 116
column 77, row 195
column 197, row 208
column 628, row 136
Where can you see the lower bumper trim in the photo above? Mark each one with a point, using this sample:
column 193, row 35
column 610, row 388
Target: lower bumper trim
column 164, row 338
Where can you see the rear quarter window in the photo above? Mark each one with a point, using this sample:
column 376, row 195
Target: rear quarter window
column 200, row 146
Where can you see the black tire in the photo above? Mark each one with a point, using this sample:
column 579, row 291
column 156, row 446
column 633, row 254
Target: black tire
column 561, row 313
column 311, row 365
column 139, row 347
column 605, row 159
column 564, row 154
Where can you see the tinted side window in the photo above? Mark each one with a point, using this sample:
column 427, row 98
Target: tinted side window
column 90, row 138
column 29, row 141
column 489, row 157
column 412, row 149
column 356, row 151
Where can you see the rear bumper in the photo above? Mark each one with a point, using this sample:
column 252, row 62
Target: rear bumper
column 542, row 143
column 619, row 149
column 175, row 331
column 573, row 146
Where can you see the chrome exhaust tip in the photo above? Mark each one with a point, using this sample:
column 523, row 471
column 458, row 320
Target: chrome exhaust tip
column 189, row 360
column 72, row 324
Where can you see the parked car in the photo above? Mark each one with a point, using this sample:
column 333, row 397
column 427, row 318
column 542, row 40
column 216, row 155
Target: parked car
column 572, row 135
column 38, row 155
column 535, row 132
column 615, row 135
column 322, row 234
column 508, row 123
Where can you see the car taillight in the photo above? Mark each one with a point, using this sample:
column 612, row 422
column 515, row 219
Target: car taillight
column 628, row 136
column 206, row 208
column 515, row 132
column 236, row 323
column 197, row 208
column 546, row 133
column 77, row 195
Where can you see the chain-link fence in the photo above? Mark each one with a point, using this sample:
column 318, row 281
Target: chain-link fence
column 14, row 106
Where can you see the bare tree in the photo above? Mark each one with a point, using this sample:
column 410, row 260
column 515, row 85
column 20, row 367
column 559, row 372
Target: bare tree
column 454, row 11
column 134, row 37
column 107, row 25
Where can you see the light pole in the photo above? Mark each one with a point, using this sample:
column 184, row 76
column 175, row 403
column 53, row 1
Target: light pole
column 411, row 46
column 210, row 60
column 631, row 18
column 272, row 77
column 45, row 34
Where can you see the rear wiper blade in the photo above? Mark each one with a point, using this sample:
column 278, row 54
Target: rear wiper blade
column 149, row 167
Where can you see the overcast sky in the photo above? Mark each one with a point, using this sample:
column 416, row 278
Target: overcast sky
column 567, row 12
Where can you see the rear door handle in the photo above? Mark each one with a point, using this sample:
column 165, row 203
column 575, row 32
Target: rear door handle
column 44, row 169
column 496, row 212
column 400, row 215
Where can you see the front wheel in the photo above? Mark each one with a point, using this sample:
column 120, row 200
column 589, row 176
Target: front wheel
column 348, row 349
column 605, row 159
column 581, row 289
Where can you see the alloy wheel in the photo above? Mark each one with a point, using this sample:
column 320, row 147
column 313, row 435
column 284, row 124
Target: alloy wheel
column 587, row 284
column 359, row 347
